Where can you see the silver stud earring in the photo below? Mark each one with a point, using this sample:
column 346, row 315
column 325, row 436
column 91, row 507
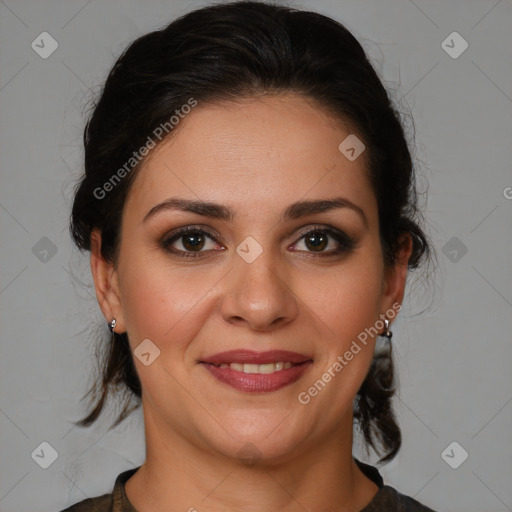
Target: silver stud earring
column 387, row 333
column 112, row 325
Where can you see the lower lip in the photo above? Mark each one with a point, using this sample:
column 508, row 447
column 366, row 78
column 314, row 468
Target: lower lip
column 258, row 382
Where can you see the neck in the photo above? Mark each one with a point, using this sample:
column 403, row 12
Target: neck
column 180, row 475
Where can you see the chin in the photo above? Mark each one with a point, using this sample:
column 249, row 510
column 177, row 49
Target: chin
column 259, row 440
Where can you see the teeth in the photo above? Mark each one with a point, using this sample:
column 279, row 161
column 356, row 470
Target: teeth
column 267, row 368
column 258, row 368
column 252, row 368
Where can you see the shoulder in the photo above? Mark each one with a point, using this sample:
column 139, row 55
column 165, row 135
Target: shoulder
column 116, row 501
column 388, row 498
column 101, row 503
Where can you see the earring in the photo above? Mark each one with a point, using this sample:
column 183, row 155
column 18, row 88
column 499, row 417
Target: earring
column 112, row 325
column 387, row 333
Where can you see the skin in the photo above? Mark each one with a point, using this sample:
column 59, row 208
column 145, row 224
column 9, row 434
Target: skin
column 257, row 156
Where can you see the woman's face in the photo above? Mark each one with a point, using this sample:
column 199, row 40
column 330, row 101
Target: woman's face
column 253, row 281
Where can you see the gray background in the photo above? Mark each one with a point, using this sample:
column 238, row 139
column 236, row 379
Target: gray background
column 453, row 360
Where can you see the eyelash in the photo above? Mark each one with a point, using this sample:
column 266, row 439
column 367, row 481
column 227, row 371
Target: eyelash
column 347, row 243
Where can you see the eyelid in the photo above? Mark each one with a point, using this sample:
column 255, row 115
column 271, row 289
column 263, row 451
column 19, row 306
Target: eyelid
column 194, row 228
column 323, row 227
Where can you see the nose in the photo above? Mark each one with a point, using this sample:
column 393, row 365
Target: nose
column 258, row 295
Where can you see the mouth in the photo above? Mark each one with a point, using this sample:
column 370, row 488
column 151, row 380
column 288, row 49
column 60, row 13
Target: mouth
column 266, row 368
column 251, row 371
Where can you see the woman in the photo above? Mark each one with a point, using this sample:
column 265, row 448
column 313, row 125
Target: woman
column 250, row 209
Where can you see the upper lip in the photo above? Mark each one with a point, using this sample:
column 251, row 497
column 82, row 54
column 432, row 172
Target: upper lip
column 252, row 357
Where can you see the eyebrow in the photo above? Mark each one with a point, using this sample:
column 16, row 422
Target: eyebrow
column 222, row 212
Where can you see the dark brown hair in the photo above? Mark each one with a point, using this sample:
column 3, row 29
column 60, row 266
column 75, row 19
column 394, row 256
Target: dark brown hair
column 227, row 52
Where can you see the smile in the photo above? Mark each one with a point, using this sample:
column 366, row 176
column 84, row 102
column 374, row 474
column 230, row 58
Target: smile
column 257, row 368
column 258, row 378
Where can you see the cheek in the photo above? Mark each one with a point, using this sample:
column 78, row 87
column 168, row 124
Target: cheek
column 346, row 299
column 342, row 306
column 165, row 303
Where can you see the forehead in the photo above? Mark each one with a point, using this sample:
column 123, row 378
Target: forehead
column 257, row 152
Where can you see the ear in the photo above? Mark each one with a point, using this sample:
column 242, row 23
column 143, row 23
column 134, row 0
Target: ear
column 106, row 284
column 396, row 276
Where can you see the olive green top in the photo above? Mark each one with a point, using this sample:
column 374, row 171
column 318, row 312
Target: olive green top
column 387, row 499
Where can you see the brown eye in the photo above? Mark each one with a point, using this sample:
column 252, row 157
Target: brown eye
column 187, row 241
column 193, row 242
column 319, row 239
column 316, row 241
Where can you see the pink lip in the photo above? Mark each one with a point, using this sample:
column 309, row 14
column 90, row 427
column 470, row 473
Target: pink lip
column 257, row 382
column 252, row 357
